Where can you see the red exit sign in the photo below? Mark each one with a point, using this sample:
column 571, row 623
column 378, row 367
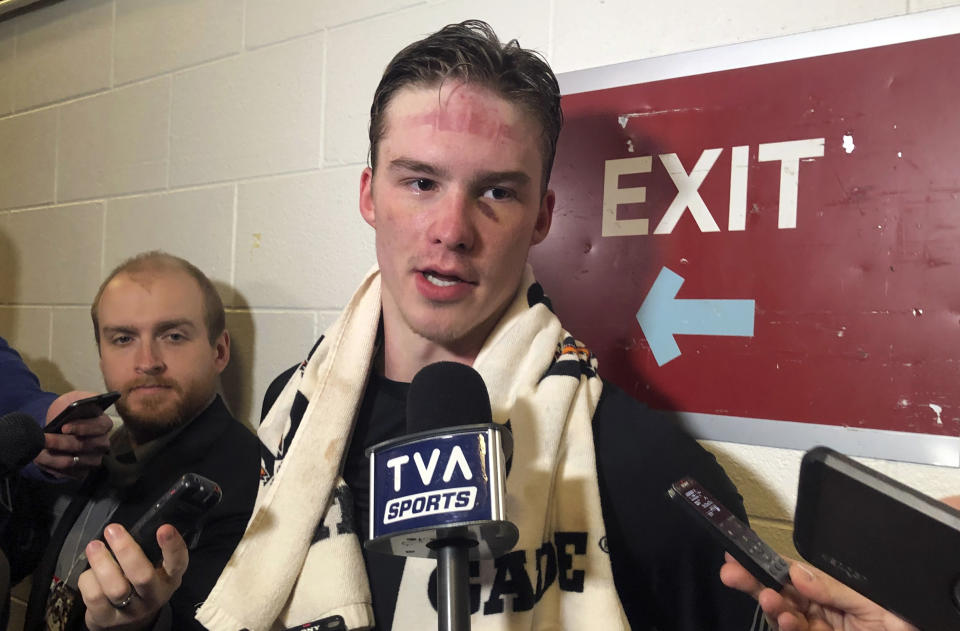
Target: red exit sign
column 817, row 198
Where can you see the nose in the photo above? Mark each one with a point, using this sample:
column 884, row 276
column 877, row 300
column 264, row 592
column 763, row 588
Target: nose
column 149, row 360
column 451, row 222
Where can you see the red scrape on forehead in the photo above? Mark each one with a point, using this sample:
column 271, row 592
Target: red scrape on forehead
column 465, row 111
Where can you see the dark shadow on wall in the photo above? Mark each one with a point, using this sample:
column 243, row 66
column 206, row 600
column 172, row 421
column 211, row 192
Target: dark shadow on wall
column 9, row 269
column 236, row 382
column 50, row 375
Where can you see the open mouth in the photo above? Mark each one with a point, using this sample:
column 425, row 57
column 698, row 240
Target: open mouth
column 441, row 280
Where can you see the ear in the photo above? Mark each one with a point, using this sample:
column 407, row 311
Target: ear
column 366, row 198
column 221, row 346
column 544, row 217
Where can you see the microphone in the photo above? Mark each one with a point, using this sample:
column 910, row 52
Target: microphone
column 21, row 439
column 440, row 491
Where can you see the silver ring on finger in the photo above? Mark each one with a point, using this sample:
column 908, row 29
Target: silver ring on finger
column 76, row 461
column 126, row 601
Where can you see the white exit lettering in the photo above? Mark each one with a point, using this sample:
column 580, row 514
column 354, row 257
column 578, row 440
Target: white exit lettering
column 788, row 153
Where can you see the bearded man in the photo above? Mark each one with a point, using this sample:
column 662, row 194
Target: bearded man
column 159, row 326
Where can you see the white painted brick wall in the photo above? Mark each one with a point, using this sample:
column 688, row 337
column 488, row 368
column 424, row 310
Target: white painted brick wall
column 196, row 224
column 114, row 143
column 300, row 240
column 73, row 351
column 62, row 52
column 271, row 21
column 264, row 344
column 28, row 149
column 55, row 253
column 7, row 52
column 253, row 114
column 233, row 132
column 155, row 37
column 30, row 326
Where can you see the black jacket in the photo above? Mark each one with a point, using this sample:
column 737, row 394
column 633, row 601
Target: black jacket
column 216, row 446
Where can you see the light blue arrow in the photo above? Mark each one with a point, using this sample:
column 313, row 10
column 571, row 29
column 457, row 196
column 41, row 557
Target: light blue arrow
column 661, row 316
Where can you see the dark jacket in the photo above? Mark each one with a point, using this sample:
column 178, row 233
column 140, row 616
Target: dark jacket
column 19, row 388
column 216, row 446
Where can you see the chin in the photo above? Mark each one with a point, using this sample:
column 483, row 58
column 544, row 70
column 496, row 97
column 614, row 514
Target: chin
column 147, row 425
column 446, row 334
column 151, row 418
column 144, row 430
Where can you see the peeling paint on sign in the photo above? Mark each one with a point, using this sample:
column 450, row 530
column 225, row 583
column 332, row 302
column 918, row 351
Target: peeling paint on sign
column 848, row 145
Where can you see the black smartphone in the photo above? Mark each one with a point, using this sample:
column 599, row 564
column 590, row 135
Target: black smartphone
column 90, row 407
column 184, row 507
column 736, row 537
column 891, row 543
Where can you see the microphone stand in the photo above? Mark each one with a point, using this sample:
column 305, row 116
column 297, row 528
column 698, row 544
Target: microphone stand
column 453, row 587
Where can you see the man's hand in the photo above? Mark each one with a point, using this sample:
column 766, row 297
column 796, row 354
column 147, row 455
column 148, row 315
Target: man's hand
column 814, row 602
column 127, row 596
column 82, row 444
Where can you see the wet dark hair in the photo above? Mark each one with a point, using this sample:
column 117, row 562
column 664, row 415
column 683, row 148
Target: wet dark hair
column 471, row 52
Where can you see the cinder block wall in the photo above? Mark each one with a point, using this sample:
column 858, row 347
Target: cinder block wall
column 233, row 133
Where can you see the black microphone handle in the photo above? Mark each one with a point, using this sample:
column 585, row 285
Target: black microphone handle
column 453, row 587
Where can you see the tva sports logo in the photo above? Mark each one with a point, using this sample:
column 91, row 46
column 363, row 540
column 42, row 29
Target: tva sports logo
column 430, row 503
column 436, row 500
column 431, row 482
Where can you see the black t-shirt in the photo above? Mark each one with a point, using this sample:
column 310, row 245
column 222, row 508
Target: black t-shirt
column 382, row 416
column 665, row 567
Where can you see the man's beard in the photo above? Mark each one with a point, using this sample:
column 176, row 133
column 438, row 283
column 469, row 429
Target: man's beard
column 156, row 416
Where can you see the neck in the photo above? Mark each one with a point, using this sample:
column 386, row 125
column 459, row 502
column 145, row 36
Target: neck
column 405, row 353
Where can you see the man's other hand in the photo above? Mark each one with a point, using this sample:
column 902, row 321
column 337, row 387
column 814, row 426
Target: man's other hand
column 126, row 593
column 80, row 446
column 814, row 602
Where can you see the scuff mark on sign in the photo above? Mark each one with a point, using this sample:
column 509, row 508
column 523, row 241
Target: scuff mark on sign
column 623, row 119
column 848, row 145
column 937, row 410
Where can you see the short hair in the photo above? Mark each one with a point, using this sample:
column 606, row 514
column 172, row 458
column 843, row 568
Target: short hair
column 471, row 52
column 156, row 261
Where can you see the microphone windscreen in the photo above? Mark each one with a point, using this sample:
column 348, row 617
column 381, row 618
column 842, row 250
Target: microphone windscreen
column 21, row 439
column 446, row 394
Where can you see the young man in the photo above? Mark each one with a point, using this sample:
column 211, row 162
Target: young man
column 462, row 137
column 159, row 326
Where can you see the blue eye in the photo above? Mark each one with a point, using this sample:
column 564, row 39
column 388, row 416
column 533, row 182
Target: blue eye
column 175, row 337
